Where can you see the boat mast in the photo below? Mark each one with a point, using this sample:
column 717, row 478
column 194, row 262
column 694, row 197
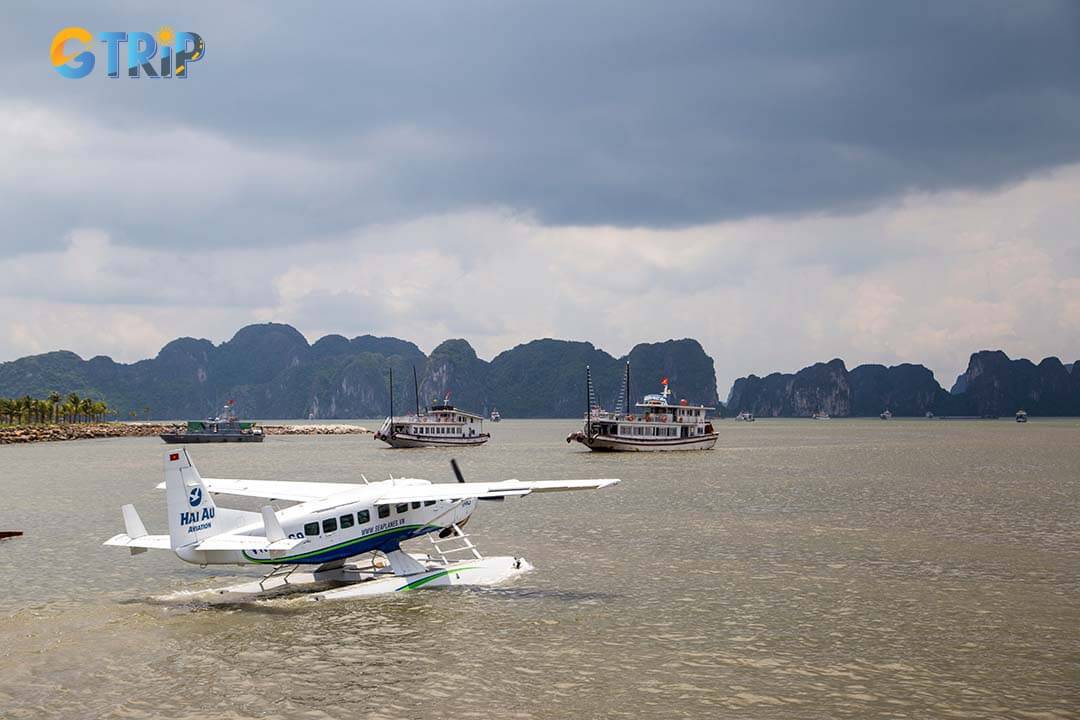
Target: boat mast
column 391, row 394
column 588, row 401
column 627, row 391
column 416, row 391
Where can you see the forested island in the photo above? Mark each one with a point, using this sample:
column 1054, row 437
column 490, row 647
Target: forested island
column 272, row 371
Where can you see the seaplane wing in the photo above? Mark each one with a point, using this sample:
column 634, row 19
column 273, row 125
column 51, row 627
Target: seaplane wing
column 504, row 488
column 276, row 489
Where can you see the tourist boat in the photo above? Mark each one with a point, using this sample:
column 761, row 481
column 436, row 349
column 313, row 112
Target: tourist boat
column 821, row 415
column 226, row 428
column 1021, row 416
column 656, row 424
column 441, row 425
column 495, row 416
column 887, row 415
column 745, row 416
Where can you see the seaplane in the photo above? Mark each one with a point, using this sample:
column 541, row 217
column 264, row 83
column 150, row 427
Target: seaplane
column 344, row 535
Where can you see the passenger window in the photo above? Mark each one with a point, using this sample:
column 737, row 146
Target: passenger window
column 403, row 507
column 416, row 505
column 311, row 529
column 384, row 511
column 429, row 503
column 329, row 525
column 364, row 516
column 346, row 521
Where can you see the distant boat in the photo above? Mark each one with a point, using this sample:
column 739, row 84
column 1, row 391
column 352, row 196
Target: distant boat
column 887, row 415
column 495, row 416
column 1021, row 416
column 225, row 428
column 821, row 415
column 441, row 425
column 929, row 415
column 656, row 425
column 745, row 416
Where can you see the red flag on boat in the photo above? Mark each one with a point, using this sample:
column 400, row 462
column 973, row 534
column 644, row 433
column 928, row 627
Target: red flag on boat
column 664, row 381
column 173, row 457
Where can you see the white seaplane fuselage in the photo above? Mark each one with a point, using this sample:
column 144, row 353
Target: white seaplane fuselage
column 334, row 532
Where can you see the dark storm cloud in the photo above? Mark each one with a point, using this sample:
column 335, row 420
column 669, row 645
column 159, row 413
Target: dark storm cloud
column 621, row 113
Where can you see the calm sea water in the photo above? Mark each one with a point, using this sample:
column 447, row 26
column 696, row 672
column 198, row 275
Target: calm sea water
column 800, row 570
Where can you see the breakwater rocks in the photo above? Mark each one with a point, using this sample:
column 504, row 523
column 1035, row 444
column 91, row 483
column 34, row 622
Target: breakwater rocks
column 13, row 434
column 337, row 429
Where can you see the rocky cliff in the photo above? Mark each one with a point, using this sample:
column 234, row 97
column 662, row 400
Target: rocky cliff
column 822, row 387
column 271, row 371
column 993, row 385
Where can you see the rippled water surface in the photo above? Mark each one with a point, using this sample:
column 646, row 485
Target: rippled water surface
column 799, row 570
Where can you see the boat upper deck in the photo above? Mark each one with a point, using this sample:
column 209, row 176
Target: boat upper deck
column 442, row 415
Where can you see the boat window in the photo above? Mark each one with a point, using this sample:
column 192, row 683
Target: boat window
column 384, row 511
column 311, row 529
column 364, row 516
column 429, row 503
column 329, row 525
column 347, row 521
column 403, row 507
column 416, row 505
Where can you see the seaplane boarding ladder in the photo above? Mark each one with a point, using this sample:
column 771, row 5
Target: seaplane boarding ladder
column 456, row 543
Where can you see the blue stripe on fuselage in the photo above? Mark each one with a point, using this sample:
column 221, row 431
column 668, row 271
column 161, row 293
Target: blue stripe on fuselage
column 348, row 548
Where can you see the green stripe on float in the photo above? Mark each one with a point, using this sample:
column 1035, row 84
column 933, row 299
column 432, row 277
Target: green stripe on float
column 425, row 580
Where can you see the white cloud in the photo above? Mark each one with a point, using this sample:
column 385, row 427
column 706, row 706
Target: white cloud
column 928, row 280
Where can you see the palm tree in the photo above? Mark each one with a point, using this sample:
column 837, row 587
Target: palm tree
column 74, row 402
column 86, row 407
column 6, row 409
column 54, row 400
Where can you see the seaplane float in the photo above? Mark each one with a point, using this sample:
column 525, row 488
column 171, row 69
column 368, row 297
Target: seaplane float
column 340, row 540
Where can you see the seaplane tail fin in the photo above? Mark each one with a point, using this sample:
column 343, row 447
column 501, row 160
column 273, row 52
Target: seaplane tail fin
column 193, row 515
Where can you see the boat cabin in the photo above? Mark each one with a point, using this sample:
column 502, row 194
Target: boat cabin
column 655, row 419
column 441, row 422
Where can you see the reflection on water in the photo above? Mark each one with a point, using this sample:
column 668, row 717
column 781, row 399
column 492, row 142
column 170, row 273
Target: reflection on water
column 800, row 570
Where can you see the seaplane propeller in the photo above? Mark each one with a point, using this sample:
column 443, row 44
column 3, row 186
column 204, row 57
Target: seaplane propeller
column 461, row 479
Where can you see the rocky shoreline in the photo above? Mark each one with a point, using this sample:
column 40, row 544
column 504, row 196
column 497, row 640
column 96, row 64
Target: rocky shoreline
column 15, row 434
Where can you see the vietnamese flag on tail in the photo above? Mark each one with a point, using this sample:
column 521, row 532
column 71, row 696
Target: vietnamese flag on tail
column 664, row 381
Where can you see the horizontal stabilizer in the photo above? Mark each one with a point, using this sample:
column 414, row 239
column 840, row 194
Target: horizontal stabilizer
column 140, row 544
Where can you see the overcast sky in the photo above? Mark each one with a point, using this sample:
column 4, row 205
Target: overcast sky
column 787, row 182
